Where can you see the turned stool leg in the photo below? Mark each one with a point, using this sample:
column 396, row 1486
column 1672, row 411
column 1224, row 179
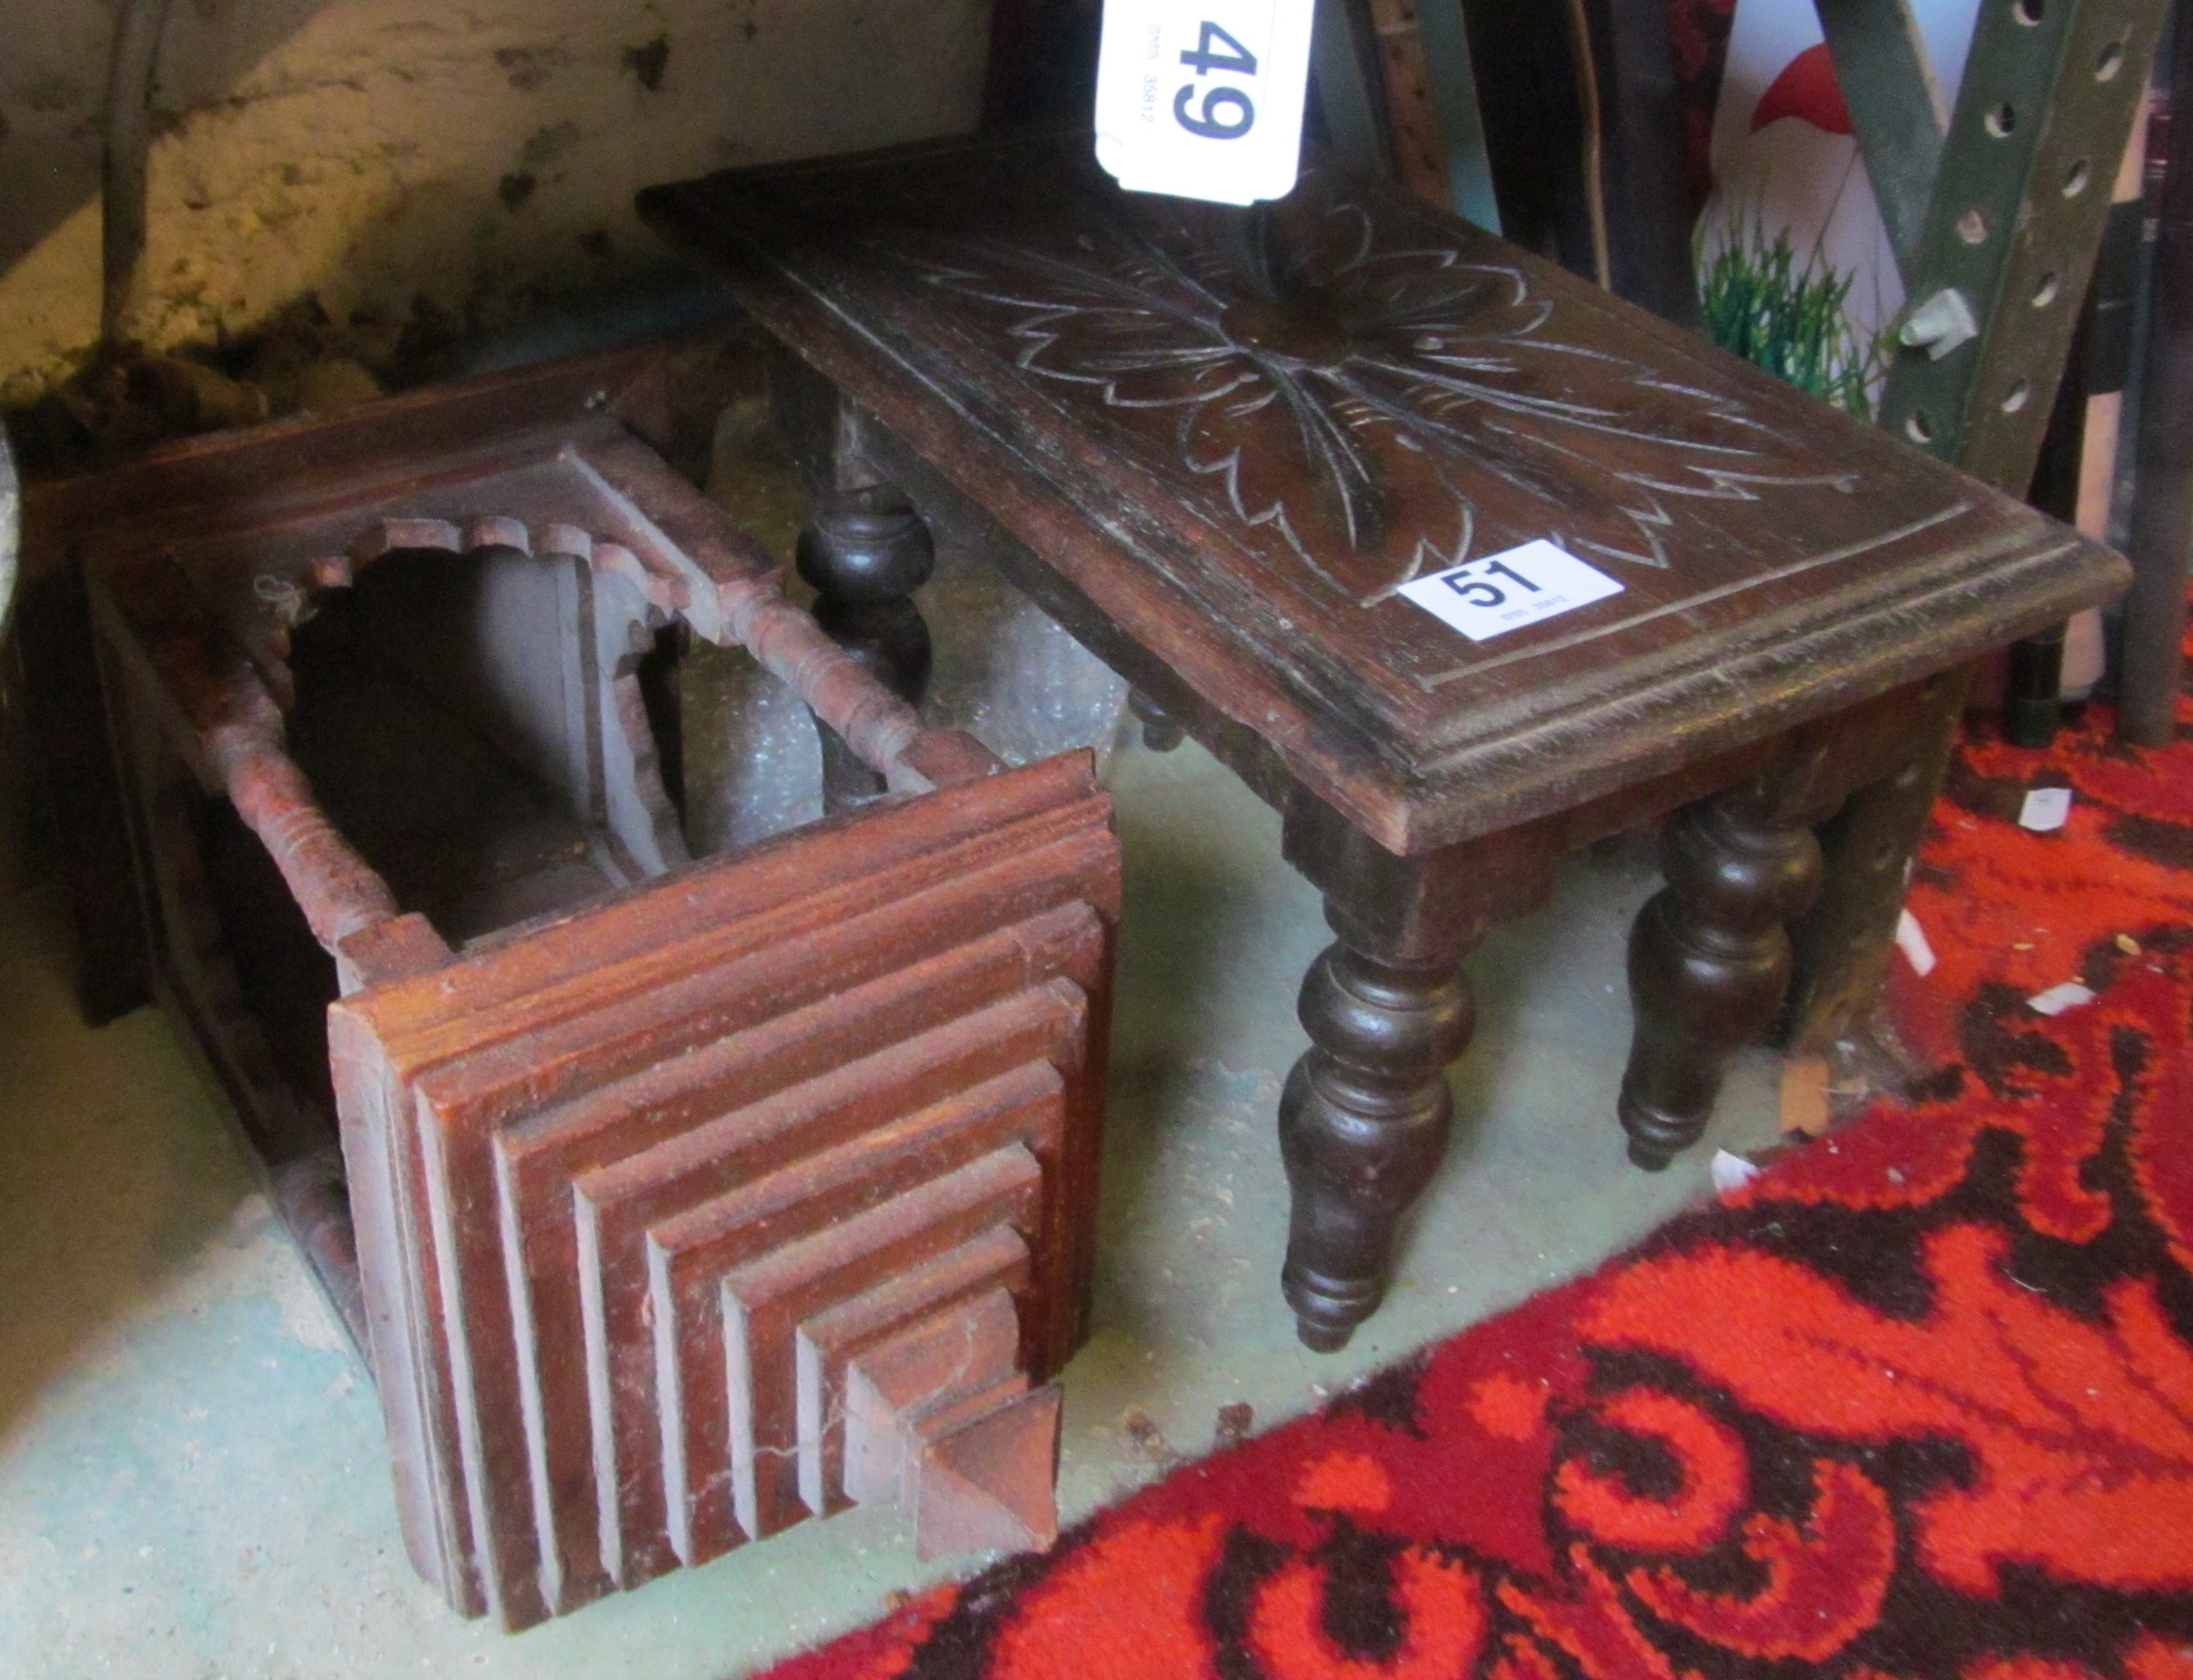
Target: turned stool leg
column 1161, row 730
column 1709, row 961
column 866, row 553
column 1365, row 1117
column 1362, row 1123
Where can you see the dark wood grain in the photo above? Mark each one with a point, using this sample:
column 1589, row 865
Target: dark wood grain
column 865, row 555
column 1216, row 444
column 1710, row 957
column 1234, row 435
column 70, row 733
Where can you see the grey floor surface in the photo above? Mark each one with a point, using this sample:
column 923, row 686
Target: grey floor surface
column 191, row 1477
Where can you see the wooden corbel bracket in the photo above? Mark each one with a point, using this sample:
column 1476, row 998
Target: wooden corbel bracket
column 718, row 1197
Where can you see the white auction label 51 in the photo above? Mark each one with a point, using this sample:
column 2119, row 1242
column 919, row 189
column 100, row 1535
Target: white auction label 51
column 1490, row 597
column 1203, row 100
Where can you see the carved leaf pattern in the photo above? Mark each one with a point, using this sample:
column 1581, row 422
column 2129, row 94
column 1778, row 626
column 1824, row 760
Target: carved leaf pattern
column 1346, row 394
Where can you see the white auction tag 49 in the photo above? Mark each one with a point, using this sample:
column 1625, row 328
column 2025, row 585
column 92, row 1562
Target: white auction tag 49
column 1490, row 597
column 1203, row 98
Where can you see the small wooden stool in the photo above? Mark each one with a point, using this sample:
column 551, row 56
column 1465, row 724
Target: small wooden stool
column 662, row 1184
column 1217, row 445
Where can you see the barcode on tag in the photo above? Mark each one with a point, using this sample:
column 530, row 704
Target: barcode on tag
column 1490, row 597
column 1203, row 99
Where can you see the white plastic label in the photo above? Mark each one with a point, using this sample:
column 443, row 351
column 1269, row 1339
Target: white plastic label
column 1490, row 597
column 2056, row 998
column 1732, row 1172
column 1203, row 99
column 2046, row 810
column 1911, row 941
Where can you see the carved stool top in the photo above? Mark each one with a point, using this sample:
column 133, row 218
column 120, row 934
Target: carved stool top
column 1235, row 435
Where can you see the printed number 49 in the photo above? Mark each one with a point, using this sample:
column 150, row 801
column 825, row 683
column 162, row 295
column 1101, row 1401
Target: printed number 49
column 1206, row 57
column 1227, row 113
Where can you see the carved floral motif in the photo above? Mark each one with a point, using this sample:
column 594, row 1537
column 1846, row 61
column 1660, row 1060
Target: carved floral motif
column 1363, row 402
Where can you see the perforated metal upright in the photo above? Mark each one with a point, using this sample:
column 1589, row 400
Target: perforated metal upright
column 1996, row 211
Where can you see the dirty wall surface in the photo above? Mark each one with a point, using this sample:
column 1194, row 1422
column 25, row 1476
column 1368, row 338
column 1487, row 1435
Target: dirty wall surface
column 371, row 150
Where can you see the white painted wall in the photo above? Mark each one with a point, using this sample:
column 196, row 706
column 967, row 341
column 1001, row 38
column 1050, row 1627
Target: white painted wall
column 371, row 149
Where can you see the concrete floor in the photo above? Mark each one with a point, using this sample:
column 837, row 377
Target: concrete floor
column 191, row 1476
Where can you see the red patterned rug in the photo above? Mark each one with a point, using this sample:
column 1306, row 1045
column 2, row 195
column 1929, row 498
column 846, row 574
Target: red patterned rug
column 1916, row 1402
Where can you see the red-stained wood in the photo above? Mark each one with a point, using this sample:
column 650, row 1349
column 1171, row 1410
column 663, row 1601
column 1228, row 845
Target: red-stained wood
column 988, row 1473
column 939, row 1416
column 764, row 1302
column 616, row 1206
column 995, row 1261
column 935, row 1364
column 580, row 1110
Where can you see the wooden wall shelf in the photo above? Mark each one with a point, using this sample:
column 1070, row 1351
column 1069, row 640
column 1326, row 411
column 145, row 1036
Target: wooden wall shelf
column 661, row 1184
